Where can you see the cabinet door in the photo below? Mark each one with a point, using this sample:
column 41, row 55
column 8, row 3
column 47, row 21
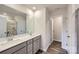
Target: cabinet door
column 29, row 46
column 21, row 51
column 29, row 49
column 36, row 46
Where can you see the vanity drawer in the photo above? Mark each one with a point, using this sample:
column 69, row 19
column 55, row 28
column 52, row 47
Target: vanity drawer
column 29, row 42
column 37, row 38
column 13, row 49
column 21, row 51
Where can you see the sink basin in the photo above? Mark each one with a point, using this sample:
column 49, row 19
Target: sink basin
column 3, row 42
column 14, row 38
column 20, row 37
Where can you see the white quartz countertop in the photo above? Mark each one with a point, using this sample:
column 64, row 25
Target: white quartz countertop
column 16, row 40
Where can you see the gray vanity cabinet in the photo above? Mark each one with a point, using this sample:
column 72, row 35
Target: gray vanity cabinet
column 29, row 47
column 33, row 45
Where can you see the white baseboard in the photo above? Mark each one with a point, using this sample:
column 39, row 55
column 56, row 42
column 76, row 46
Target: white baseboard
column 57, row 40
column 45, row 49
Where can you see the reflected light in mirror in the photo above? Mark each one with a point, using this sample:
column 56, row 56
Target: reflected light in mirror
column 5, row 14
column 34, row 8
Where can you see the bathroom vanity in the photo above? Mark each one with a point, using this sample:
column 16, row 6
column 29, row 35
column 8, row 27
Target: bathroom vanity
column 13, row 29
column 22, row 45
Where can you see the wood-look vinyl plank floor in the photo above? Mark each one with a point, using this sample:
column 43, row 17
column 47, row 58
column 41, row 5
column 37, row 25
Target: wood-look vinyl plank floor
column 54, row 48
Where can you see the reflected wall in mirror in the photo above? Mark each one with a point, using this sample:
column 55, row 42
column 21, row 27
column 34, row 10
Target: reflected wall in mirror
column 11, row 27
column 3, row 26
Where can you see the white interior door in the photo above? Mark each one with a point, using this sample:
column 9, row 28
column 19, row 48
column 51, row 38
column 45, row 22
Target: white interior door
column 57, row 28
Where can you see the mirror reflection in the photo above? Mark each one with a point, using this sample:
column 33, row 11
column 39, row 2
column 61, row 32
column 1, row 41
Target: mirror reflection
column 12, row 22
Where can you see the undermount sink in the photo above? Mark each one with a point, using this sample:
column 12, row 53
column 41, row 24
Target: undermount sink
column 20, row 37
column 7, row 39
column 3, row 42
column 13, row 38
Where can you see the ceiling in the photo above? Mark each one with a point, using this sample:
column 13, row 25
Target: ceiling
column 50, row 7
column 4, row 8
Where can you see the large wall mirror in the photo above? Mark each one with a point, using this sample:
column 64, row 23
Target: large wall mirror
column 12, row 22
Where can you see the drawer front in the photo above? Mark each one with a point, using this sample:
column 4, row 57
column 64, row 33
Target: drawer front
column 29, row 49
column 21, row 51
column 13, row 49
column 37, row 38
column 29, row 42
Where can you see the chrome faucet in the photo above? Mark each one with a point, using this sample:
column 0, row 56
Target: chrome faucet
column 10, row 38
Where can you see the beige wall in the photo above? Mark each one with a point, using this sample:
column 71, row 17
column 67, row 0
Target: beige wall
column 48, row 28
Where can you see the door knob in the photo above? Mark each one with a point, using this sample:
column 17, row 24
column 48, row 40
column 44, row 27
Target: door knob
column 68, row 36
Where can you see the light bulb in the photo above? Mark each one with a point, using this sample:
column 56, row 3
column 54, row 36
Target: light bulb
column 34, row 8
